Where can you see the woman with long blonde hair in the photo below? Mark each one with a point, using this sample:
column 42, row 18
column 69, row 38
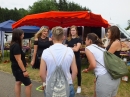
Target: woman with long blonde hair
column 74, row 42
column 41, row 42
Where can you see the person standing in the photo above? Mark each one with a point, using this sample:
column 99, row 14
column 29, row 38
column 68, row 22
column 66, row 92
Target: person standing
column 48, row 61
column 74, row 42
column 115, row 43
column 41, row 42
column 106, row 86
column 18, row 64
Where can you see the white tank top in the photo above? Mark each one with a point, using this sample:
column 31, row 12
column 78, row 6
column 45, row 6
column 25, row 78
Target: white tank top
column 98, row 54
column 58, row 51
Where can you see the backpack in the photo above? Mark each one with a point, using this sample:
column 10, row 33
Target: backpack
column 58, row 85
column 115, row 66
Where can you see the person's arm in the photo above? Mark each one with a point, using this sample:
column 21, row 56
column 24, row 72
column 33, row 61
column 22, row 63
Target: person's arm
column 74, row 69
column 17, row 54
column 76, row 47
column 34, row 53
column 91, row 59
column 21, row 65
column 50, row 39
column 51, row 42
column 66, row 42
column 43, row 70
column 116, row 45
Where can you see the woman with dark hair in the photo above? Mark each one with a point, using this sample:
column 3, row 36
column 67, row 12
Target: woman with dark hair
column 74, row 42
column 18, row 63
column 106, row 86
column 115, row 43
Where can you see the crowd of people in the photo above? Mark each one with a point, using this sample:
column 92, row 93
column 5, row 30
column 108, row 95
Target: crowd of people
column 71, row 63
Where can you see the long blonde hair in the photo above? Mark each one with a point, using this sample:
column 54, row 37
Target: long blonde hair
column 70, row 36
column 39, row 33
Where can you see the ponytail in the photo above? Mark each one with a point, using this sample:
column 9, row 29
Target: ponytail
column 95, row 39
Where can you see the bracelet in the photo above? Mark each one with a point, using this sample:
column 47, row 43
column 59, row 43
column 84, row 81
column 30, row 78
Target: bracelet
column 24, row 71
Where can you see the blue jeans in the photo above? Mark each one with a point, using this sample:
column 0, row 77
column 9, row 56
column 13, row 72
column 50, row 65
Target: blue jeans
column 72, row 92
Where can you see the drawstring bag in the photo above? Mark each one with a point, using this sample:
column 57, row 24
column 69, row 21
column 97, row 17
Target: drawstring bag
column 115, row 66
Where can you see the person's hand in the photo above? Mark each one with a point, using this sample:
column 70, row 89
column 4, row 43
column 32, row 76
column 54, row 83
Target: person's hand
column 85, row 70
column 82, row 52
column 32, row 63
column 25, row 74
column 42, row 87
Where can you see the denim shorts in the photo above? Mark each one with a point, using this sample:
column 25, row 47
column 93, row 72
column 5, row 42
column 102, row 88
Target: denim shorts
column 72, row 92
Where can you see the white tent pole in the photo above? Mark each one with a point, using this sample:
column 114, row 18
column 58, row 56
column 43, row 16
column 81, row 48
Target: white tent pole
column 2, row 44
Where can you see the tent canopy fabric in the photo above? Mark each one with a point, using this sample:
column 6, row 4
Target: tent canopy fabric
column 62, row 18
column 7, row 26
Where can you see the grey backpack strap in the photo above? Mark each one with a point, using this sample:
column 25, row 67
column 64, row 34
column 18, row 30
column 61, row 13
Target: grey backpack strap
column 98, row 48
column 54, row 57
column 102, row 51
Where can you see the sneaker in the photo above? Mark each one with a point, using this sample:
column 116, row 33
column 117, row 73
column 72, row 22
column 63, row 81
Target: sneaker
column 79, row 90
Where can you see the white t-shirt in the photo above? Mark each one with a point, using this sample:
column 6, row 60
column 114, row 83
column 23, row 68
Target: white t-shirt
column 58, row 50
column 98, row 54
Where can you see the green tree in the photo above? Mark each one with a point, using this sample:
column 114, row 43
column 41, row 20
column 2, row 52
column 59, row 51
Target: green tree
column 128, row 27
column 23, row 12
column 43, row 6
column 38, row 7
column 2, row 13
column 55, row 5
column 13, row 14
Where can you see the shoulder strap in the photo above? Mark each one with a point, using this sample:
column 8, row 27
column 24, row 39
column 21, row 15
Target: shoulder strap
column 54, row 57
column 100, row 64
column 96, row 60
column 97, row 47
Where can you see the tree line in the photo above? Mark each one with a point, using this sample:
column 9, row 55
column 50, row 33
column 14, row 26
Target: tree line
column 38, row 7
column 128, row 27
column 42, row 6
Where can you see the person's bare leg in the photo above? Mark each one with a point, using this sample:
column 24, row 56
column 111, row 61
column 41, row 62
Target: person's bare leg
column 18, row 89
column 28, row 90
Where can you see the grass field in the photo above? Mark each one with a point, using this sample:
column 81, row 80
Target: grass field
column 87, row 80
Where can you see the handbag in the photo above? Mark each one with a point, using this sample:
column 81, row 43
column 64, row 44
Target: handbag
column 115, row 66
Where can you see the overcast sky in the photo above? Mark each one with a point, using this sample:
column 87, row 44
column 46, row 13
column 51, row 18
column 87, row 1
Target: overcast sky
column 117, row 11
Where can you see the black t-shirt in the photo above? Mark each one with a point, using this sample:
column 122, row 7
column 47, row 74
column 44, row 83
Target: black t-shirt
column 15, row 49
column 73, row 42
column 42, row 45
column 117, row 53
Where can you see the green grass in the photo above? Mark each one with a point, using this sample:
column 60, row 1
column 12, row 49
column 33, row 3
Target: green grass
column 87, row 80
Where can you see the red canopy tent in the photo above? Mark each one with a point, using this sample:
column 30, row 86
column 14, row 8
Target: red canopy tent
column 62, row 18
